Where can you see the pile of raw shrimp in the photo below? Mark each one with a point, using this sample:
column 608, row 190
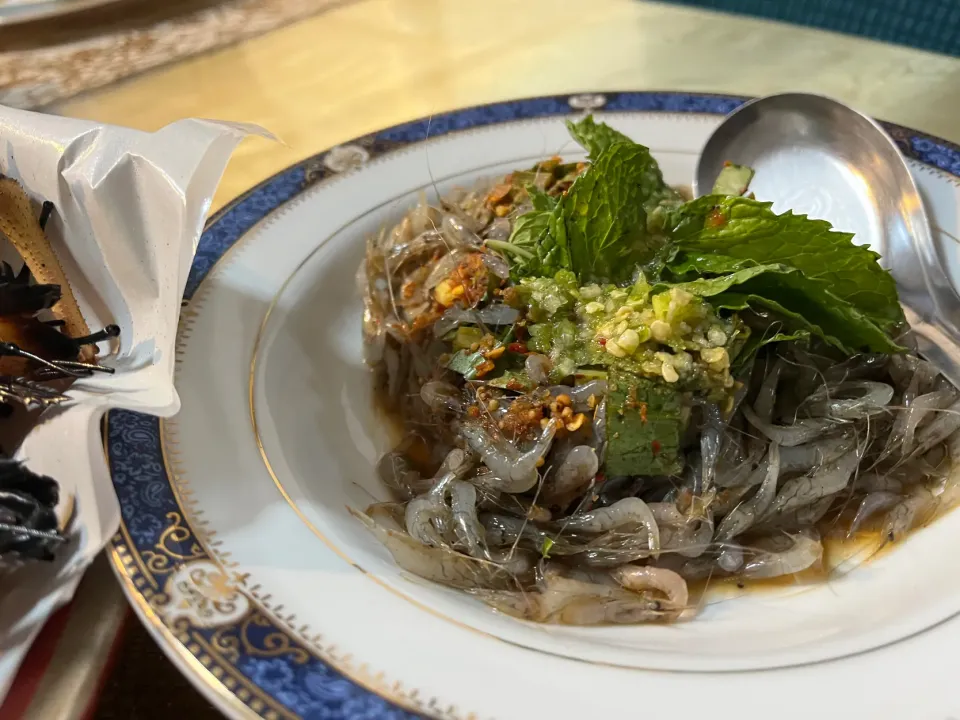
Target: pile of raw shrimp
column 811, row 449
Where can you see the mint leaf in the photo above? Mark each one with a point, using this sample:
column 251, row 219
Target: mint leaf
column 644, row 420
column 686, row 266
column 603, row 214
column 756, row 341
column 709, row 286
column 826, row 315
column 524, row 245
column 833, row 321
column 598, row 228
column 805, row 304
column 540, row 200
column 748, row 231
column 594, row 137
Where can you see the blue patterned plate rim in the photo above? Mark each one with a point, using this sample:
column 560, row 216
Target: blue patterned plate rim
column 255, row 666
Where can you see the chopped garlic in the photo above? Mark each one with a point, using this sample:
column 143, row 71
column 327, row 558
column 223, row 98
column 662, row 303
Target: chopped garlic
column 629, row 340
column 669, row 373
column 614, row 349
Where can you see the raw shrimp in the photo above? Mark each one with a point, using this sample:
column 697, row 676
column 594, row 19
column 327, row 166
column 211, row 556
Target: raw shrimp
column 730, row 559
column 629, row 511
column 904, row 367
column 728, row 498
column 565, row 601
column 441, row 396
column 599, row 426
column 466, row 525
column 919, row 409
column 617, row 488
column 680, row 533
column 577, row 470
column 810, row 488
column 899, row 430
column 849, row 400
column 742, row 473
column 609, row 558
column 501, row 530
column 698, row 568
column 709, row 450
column 804, row 552
column 908, row 513
column 438, row 564
column 811, row 514
column 767, row 394
column 395, row 472
column 878, row 482
column 517, row 469
column 762, row 446
column 666, row 581
column 521, row 506
column 815, row 454
column 796, row 434
column 692, row 540
column 458, row 234
column 423, row 515
column 538, row 368
column 856, row 367
column 492, row 315
column 426, row 516
column 870, row 505
column 746, row 513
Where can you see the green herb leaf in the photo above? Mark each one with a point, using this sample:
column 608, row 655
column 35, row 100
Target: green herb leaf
column 745, row 353
column 548, row 543
column 733, row 180
column 598, row 229
column 709, row 286
column 465, row 363
column 603, row 214
column 512, row 380
column 749, row 232
column 805, row 304
column 540, row 200
column 837, row 323
column 643, row 426
column 525, row 243
column 595, row 137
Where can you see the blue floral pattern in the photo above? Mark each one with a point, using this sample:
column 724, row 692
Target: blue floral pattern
column 313, row 689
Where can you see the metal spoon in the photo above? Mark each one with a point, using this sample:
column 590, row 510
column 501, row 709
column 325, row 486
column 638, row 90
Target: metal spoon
column 818, row 157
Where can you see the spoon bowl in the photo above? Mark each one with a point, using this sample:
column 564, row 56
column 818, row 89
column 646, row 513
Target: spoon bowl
column 818, row 157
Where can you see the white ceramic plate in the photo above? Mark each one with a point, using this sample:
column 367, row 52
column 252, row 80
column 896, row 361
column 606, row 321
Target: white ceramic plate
column 239, row 554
